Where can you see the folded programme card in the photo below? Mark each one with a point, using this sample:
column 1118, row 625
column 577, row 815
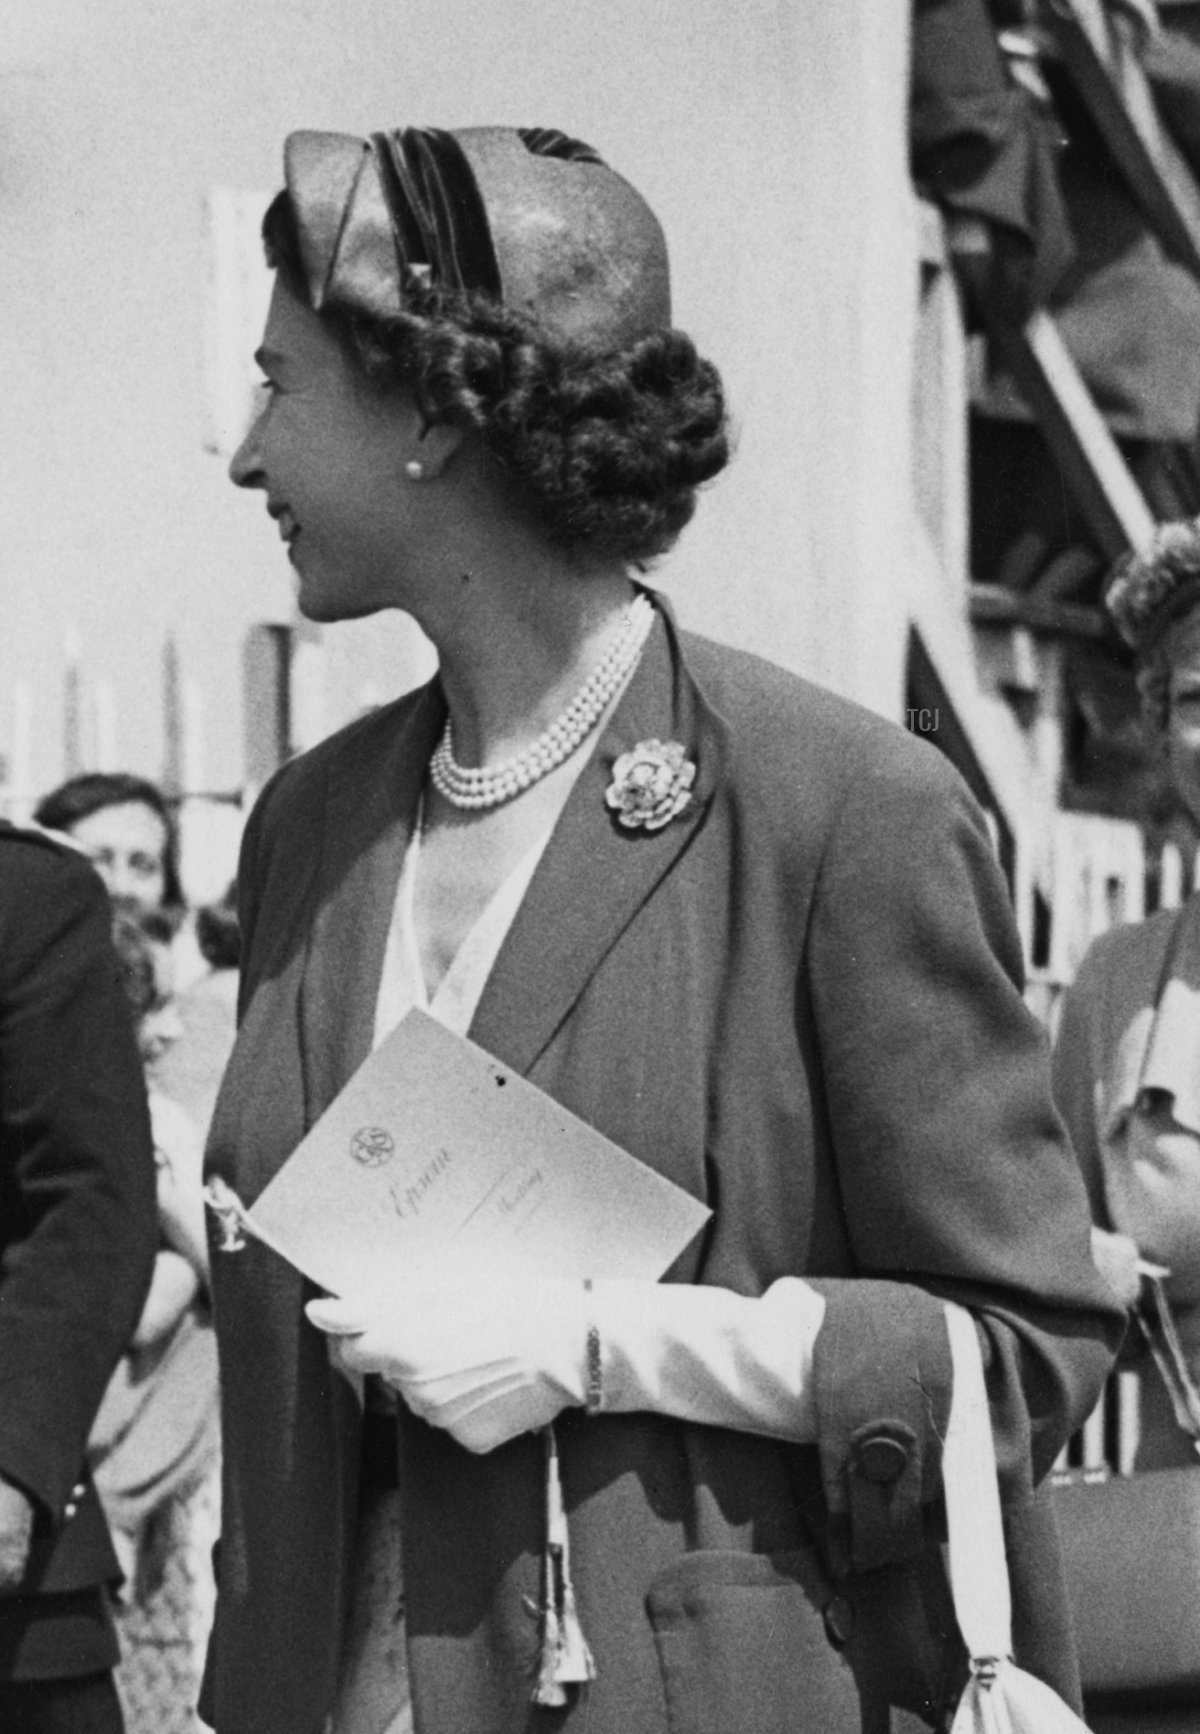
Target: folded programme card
column 435, row 1153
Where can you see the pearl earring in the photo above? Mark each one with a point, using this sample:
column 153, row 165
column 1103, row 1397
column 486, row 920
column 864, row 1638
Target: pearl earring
column 414, row 469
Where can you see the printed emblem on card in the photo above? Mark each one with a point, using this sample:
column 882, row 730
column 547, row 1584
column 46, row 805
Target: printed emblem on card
column 372, row 1146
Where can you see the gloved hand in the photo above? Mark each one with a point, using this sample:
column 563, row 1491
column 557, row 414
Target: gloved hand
column 487, row 1358
column 707, row 1354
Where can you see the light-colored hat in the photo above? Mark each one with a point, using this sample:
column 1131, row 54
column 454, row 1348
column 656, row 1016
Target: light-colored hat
column 528, row 216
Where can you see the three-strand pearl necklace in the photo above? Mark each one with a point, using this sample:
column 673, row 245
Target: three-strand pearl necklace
column 491, row 786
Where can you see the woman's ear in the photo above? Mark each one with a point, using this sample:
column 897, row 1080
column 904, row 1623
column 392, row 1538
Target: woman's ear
column 437, row 442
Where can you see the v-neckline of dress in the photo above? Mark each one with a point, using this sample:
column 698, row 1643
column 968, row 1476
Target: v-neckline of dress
column 455, row 996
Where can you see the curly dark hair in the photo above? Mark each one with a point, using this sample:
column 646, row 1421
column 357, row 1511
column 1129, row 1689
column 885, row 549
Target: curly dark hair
column 1149, row 589
column 604, row 449
column 135, row 933
column 217, row 931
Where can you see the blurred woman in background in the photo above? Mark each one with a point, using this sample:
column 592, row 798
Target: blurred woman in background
column 155, row 1445
column 127, row 827
column 1127, row 1062
column 124, row 824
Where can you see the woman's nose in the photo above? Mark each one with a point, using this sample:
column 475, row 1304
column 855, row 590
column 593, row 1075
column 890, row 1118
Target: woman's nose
column 245, row 466
column 121, row 880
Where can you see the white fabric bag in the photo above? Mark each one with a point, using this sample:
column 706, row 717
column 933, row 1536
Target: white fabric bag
column 1000, row 1697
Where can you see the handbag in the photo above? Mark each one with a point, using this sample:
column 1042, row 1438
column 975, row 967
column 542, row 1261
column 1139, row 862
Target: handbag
column 1131, row 1551
column 1000, row 1697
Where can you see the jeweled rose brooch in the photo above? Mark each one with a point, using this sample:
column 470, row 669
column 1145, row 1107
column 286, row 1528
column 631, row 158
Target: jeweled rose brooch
column 650, row 785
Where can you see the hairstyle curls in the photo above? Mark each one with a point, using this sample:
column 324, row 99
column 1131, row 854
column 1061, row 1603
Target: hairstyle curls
column 605, row 450
column 1148, row 591
column 136, row 932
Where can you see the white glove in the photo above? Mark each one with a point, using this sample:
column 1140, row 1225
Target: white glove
column 709, row 1355
column 485, row 1358
column 490, row 1358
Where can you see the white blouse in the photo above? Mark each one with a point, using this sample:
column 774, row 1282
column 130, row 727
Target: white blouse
column 402, row 984
column 372, row 1693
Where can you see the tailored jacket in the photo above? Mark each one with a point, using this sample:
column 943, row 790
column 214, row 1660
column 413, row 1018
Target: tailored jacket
column 799, row 1000
column 78, row 1233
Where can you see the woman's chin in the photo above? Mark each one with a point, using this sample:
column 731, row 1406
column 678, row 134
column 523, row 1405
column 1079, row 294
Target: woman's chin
column 325, row 606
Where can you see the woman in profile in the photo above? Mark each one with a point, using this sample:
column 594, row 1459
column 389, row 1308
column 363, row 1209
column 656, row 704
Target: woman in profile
column 752, row 933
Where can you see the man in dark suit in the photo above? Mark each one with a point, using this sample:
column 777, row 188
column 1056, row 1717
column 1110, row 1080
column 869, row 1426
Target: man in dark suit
column 77, row 1242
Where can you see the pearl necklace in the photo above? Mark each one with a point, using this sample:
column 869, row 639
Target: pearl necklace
column 477, row 789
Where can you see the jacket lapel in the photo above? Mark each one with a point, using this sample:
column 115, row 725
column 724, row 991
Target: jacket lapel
column 371, row 803
column 595, row 875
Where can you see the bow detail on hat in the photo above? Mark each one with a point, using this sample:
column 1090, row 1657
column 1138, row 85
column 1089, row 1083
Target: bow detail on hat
column 529, row 217
column 378, row 215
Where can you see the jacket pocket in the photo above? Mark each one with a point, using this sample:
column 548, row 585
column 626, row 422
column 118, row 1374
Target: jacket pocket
column 742, row 1645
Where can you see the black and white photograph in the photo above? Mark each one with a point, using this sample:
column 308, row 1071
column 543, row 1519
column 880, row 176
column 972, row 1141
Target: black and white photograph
column 600, row 867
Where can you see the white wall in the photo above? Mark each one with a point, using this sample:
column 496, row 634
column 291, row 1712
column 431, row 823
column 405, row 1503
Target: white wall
column 770, row 139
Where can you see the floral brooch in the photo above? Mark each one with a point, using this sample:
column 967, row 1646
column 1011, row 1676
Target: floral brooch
column 650, row 785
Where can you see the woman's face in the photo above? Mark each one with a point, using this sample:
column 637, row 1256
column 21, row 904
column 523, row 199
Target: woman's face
column 128, row 846
column 159, row 1027
column 329, row 455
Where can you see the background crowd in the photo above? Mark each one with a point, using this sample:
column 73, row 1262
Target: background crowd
column 154, row 1449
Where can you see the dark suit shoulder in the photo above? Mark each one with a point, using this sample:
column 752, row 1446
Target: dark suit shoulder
column 15, row 839
column 750, row 688
column 803, row 748
column 41, row 870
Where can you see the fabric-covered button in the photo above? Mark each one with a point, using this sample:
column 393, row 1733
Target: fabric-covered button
column 881, row 1460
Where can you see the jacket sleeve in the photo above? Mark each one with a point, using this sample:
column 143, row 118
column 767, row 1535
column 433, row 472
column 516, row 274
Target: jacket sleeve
column 76, row 1166
column 955, row 1174
column 1077, row 1078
